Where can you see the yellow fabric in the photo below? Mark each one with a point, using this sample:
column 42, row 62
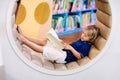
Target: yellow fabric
column 21, row 13
column 30, row 26
column 42, row 13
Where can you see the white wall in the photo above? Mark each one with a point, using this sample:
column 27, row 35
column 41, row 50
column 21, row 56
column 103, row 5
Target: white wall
column 2, row 23
column 1, row 57
column 1, row 61
column 0, row 53
column 107, row 68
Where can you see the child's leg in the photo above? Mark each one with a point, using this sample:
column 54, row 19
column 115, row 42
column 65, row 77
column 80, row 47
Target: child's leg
column 31, row 44
column 39, row 42
column 54, row 54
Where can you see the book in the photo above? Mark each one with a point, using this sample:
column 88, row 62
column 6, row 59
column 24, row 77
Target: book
column 70, row 22
column 54, row 39
column 59, row 25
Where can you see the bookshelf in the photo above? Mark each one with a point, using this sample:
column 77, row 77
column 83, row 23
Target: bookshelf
column 70, row 16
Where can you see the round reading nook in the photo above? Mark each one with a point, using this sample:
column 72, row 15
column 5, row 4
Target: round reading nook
column 41, row 26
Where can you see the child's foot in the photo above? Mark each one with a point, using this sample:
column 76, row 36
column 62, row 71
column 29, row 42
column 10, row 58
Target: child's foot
column 20, row 38
column 19, row 30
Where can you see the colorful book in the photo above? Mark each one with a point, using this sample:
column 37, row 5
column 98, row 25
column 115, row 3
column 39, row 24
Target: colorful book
column 59, row 25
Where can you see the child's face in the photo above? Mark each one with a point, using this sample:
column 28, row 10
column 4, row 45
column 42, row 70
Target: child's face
column 84, row 36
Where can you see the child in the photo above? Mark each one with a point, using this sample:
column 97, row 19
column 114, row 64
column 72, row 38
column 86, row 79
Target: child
column 71, row 52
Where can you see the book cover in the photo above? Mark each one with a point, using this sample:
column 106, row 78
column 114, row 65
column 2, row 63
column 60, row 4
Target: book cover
column 53, row 38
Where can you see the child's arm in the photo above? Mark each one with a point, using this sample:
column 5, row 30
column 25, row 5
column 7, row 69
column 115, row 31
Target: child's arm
column 75, row 53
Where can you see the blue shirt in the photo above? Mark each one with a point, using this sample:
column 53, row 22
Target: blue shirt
column 82, row 47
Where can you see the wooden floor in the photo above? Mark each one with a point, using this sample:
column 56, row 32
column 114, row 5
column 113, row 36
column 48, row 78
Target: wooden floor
column 70, row 37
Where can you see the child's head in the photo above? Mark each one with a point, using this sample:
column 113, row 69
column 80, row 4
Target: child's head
column 90, row 33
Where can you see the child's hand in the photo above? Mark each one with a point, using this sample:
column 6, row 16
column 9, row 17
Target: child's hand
column 61, row 41
column 67, row 46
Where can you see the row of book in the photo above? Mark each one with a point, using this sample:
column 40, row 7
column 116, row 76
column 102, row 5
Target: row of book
column 58, row 24
column 60, row 6
column 88, row 19
column 72, row 22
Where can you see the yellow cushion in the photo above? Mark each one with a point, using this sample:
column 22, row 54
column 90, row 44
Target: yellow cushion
column 93, row 52
column 34, row 17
